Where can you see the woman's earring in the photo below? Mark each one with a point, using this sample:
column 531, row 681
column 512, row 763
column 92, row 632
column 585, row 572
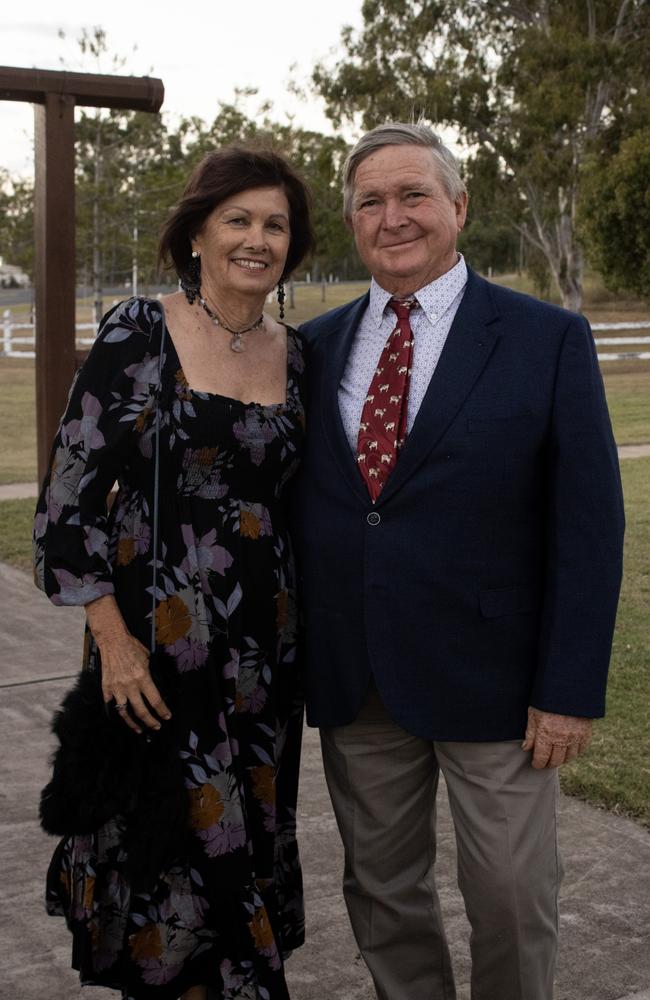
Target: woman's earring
column 281, row 298
column 191, row 282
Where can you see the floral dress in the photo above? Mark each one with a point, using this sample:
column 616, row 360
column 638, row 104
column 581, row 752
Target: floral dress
column 228, row 913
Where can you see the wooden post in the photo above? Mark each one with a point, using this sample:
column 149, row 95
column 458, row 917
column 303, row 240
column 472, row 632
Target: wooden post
column 54, row 225
column 55, row 94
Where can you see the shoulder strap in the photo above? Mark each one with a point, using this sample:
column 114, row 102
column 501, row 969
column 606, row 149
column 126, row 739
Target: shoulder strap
column 156, row 485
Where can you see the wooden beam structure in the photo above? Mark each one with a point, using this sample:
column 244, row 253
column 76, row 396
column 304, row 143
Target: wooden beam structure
column 54, row 265
column 55, row 95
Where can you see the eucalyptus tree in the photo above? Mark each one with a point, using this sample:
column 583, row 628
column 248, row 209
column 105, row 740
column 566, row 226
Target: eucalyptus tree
column 536, row 84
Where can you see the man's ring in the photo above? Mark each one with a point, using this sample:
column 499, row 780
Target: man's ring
column 120, row 708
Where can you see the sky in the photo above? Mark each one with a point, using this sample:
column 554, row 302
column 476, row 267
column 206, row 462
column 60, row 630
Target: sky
column 203, row 51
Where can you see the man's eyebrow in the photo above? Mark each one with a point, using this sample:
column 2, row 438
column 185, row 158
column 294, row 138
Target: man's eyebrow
column 406, row 186
column 367, row 193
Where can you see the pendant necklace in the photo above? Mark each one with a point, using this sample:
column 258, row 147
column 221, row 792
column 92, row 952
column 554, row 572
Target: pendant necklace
column 236, row 343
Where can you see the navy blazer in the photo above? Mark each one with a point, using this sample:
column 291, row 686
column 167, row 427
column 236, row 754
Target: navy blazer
column 486, row 577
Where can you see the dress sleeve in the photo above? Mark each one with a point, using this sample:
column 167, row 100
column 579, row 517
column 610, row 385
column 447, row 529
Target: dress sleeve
column 106, row 418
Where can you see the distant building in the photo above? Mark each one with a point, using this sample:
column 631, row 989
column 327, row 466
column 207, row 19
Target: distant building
column 12, row 276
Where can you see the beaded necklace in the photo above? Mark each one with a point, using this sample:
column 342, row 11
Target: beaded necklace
column 236, row 343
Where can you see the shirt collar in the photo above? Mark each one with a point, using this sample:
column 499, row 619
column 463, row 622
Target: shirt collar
column 434, row 298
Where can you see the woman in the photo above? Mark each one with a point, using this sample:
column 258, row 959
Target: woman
column 219, row 920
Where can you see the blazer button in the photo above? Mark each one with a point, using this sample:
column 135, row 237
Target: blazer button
column 373, row 517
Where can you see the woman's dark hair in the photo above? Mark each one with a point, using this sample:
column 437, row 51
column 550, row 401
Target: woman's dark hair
column 222, row 174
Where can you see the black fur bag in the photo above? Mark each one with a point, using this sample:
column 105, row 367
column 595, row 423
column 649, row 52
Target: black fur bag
column 102, row 769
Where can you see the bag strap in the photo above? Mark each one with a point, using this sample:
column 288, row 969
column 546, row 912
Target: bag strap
column 156, row 486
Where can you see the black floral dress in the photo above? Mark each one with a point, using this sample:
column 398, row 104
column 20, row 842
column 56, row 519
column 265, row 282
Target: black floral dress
column 228, row 913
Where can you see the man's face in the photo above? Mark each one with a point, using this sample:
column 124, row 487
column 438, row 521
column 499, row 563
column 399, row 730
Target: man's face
column 404, row 223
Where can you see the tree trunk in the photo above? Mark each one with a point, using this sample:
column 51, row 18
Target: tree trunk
column 567, row 269
column 559, row 245
column 570, row 265
column 570, row 285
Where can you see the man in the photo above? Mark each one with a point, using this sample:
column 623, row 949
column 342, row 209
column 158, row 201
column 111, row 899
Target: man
column 459, row 528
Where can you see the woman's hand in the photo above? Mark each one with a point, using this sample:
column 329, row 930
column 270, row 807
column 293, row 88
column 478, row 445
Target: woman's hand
column 125, row 666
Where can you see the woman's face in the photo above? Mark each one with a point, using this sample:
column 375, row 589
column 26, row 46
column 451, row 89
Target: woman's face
column 244, row 242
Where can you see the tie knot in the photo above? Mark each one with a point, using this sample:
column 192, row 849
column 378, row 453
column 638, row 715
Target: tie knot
column 402, row 307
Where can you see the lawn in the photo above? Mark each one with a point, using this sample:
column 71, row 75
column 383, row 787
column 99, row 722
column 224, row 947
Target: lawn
column 16, row 517
column 615, row 773
column 628, row 397
column 17, row 421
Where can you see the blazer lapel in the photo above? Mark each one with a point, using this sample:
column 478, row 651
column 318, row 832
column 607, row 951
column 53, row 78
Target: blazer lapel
column 337, row 350
column 468, row 346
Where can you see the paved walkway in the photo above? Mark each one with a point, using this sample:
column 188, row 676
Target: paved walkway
column 633, row 450
column 18, row 491
column 606, row 894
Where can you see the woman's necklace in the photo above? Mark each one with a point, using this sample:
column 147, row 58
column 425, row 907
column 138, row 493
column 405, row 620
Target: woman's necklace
column 236, row 343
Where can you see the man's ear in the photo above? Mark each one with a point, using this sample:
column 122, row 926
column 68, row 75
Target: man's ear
column 461, row 210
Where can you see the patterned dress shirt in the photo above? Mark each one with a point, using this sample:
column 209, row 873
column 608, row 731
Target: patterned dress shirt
column 431, row 323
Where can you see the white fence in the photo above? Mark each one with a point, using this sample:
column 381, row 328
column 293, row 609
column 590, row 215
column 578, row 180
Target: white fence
column 621, row 341
column 13, row 337
column 12, row 342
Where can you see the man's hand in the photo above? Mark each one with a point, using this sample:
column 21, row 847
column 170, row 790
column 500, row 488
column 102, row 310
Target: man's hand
column 555, row 739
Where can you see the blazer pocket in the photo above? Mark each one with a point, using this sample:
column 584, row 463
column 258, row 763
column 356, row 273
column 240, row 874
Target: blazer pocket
column 508, row 601
column 497, row 422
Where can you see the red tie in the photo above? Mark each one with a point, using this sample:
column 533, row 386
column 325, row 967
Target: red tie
column 383, row 419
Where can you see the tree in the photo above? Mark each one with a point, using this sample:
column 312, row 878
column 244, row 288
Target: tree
column 17, row 222
column 615, row 216
column 122, row 162
column 537, row 83
column 128, row 169
column 489, row 239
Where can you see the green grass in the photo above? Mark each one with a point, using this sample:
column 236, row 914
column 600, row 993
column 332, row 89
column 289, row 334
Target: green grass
column 17, row 421
column 16, row 517
column 628, row 398
column 615, row 772
column 311, row 300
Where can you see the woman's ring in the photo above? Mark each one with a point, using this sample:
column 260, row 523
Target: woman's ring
column 120, row 708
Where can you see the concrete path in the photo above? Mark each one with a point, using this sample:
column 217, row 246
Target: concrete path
column 606, row 895
column 18, row 491
column 633, row 450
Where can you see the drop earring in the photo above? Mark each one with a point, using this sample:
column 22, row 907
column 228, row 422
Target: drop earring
column 281, row 298
column 191, row 280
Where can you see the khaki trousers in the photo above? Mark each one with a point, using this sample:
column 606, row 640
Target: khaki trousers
column 383, row 784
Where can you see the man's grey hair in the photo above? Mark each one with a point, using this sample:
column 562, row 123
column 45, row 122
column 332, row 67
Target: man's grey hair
column 403, row 134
